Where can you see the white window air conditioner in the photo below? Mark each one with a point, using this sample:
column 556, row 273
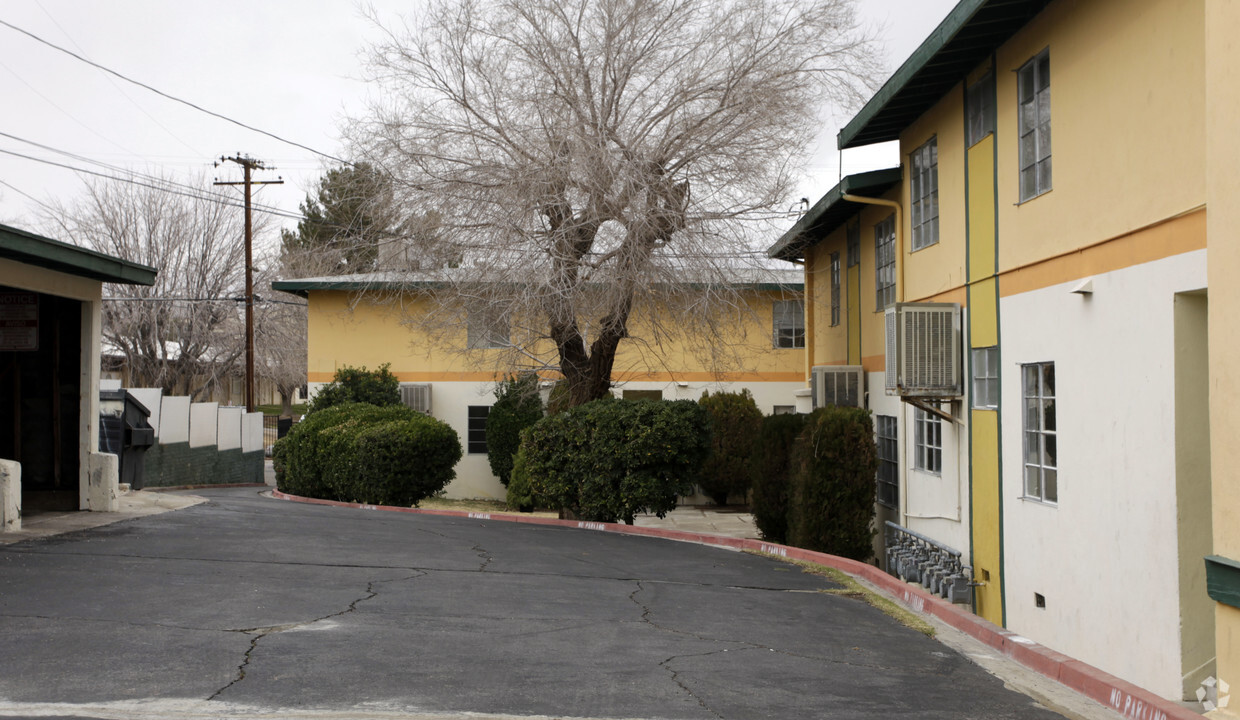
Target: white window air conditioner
column 842, row 385
column 416, row 396
column 923, row 350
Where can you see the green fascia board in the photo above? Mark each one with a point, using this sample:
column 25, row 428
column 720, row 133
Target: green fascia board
column 1223, row 580
column 831, row 211
column 969, row 34
column 302, row 288
column 31, row 249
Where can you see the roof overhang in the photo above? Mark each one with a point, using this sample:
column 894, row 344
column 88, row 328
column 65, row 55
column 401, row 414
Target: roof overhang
column 31, row 249
column 831, row 211
column 969, row 34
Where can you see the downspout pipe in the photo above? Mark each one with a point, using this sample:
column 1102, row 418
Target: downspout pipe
column 899, row 234
column 899, row 298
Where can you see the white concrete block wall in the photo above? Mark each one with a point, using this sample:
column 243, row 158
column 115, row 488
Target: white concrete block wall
column 173, row 420
column 251, row 432
column 1104, row 556
column 202, row 424
column 228, row 427
column 151, row 399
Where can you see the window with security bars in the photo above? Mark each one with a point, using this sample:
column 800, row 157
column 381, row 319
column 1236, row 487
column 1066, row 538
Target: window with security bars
column 927, row 442
column 1034, row 97
column 885, row 263
column 888, row 461
column 924, row 190
column 835, row 289
column 788, row 324
column 476, row 429
column 1041, row 446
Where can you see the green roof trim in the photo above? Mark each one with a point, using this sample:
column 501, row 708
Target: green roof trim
column 969, row 34
column 31, row 249
column 1223, row 580
column 831, row 211
column 345, row 283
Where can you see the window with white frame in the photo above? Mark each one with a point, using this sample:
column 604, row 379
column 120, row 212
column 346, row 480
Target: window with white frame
column 888, row 461
column 1041, row 448
column 927, row 442
column 885, row 263
column 488, row 328
column 985, row 365
column 1034, row 95
column 835, row 289
column 924, row 194
column 476, row 429
column 788, row 324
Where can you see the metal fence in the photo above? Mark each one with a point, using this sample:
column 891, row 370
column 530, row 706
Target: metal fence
column 274, row 428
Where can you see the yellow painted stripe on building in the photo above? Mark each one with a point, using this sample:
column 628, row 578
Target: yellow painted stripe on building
column 987, row 555
column 983, row 314
column 1181, row 234
column 982, row 209
column 617, row 377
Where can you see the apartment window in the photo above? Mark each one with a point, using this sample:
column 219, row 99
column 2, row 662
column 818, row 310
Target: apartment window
column 885, row 263
column 641, row 394
column 488, row 328
column 927, row 442
column 924, row 190
column 476, row 429
column 788, row 324
column 1041, row 451
column 835, row 289
column 853, row 238
column 985, row 362
column 1034, row 90
column 980, row 109
column 784, row 410
column 888, row 461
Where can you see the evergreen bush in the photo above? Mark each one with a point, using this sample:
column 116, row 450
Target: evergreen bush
column 734, row 424
column 609, row 460
column 831, row 500
column 518, row 405
column 358, row 385
column 520, row 492
column 772, row 471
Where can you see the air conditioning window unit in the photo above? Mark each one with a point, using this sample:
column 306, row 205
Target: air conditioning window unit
column 416, row 396
column 842, row 385
column 923, row 350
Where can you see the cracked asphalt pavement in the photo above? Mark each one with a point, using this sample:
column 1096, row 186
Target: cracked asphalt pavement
column 246, row 606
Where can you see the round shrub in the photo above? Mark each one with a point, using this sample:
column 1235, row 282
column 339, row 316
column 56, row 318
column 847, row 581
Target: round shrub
column 357, row 452
column 833, row 483
column 734, row 424
column 772, row 469
column 520, row 492
column 358, row 385
column 609, row 460
column 517, row 406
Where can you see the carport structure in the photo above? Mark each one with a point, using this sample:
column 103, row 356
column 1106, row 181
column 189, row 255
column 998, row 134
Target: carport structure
column 51, row 297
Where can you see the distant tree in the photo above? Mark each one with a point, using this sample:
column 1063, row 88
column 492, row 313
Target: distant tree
column 586, row 157
column 280, row 341
column 185, row 333
column 345, row 223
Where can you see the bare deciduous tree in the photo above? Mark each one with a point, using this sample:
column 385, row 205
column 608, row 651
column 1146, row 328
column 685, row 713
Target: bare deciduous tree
column 185, row 333
column 590, row 160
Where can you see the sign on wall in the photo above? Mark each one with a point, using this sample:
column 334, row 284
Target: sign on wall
column 19, row 321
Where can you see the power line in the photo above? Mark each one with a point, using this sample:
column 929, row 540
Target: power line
column 163, row 94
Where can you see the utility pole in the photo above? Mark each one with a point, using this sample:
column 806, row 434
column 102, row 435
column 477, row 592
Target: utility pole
column 248, row 165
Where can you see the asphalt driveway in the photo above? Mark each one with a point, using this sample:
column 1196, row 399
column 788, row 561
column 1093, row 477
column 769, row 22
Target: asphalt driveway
column 247, row 606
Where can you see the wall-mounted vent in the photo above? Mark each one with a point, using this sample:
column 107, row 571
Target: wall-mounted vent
column 416, row 396
column 842, row 385
column 923, row 350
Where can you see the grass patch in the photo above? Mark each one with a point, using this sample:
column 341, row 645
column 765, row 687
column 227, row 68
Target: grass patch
column 853, row 589
column 478, row 505
column 298, row 409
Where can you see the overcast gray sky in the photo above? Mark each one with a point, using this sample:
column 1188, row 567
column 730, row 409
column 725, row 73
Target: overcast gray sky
column 287, row 67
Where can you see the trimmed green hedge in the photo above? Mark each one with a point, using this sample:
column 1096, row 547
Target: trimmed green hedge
column 357, row 452
column 517, row 406
column 609, row 460
column 772, row 474
column 734, row 424
column 831, row 500
column 358, row 385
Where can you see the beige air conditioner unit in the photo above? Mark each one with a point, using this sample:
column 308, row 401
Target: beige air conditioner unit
column 842, row 385
column 416, row 396
column 923, row 350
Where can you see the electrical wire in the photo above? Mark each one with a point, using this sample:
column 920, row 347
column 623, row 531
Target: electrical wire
column 174, row 98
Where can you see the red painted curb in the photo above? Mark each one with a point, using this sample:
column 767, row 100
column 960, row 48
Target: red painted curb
column 1124, row 697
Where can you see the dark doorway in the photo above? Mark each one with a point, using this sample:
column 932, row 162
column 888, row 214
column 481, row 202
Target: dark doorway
column 40, row 403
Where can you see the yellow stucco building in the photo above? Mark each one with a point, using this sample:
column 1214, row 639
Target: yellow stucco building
column 1066, row 170
column 448, row 359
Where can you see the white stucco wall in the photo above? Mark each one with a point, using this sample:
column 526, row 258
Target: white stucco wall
column 228, row 427
column 203, row 430
column 173, row 420
column 1104, row 557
